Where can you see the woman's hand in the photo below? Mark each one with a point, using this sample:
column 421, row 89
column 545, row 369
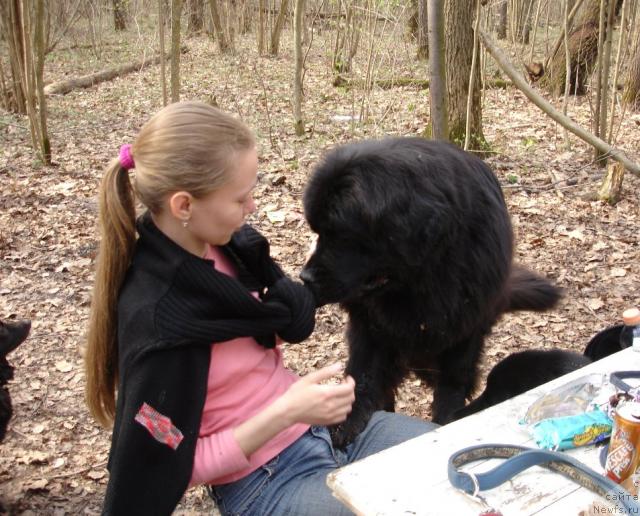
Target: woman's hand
column 315, row 403
column 306, row 401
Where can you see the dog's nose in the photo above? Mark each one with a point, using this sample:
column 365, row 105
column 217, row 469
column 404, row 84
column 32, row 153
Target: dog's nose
column 306, row 275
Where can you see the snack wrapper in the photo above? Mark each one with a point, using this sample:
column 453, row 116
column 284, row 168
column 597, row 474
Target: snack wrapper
column 563, row 433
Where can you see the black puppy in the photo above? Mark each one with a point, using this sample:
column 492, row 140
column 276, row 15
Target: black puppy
column 12, row 334
column 604, row 343
column 521, row 372
column 415, row 242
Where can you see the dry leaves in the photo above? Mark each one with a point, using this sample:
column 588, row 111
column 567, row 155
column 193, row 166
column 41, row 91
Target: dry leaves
column 53, row 459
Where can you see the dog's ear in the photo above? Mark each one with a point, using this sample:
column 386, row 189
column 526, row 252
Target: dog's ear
column 12, row 334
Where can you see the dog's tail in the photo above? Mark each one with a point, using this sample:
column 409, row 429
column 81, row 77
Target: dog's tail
column 528, row 291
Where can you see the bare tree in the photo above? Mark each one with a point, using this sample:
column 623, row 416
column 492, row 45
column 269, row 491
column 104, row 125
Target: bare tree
column 223, row 44
column 163, row 59
column 261, row 26
column 245, row 16
column 631, row 93
column 196, row 16
column 298, row 30
column 119, row 14
column 277, row 28
column 520, row 13
column 347, row 37
column 30, row 14
column 501, row 28
column 583, row 53
column 12, row 26
column 502, row 60
column 39, row 52
column 459, row 56
column 437, row 71
column 176, row 12
column 607, row 13
column 423, row 30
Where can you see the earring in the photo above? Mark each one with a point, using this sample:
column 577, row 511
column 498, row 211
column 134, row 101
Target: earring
column 185, row 223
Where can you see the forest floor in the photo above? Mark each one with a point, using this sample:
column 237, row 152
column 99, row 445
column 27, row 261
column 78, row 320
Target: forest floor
column 53, row 458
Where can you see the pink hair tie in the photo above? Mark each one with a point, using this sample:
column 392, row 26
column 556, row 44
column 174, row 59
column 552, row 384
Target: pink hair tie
column 126, row 159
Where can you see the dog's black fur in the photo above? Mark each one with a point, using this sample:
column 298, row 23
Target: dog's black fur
column 415, row 242
column 604, row 343
column 520, row 372
column 525, row 370
column 12, row 334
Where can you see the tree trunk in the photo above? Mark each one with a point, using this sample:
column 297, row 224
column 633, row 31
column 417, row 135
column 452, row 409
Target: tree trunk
column 600, row 122
column 223, row 45
column 298, row 29
column 437, row 71
column 196, row 20
column 412, row 21
column 347, row 38
column 458, row 57
column 573, row 6
column 176, row 11
column 245, row 17
column 501, row 29
column 611, row 188
column 163, row 59
column 423, row 30
column 631, row 93
column 261, row 26
column 32, row 14
column 277, row 28
column 12, row 26
column 522, row 10
column 583, row 53
column 39, row 47
column 119, row 14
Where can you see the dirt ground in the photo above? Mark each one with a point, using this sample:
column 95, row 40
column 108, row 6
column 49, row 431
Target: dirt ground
column 53, row 459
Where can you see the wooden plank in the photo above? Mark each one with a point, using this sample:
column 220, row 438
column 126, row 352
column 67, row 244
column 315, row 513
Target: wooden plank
column 411, row 478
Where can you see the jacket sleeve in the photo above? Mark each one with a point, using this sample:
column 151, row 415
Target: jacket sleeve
column 158, row 417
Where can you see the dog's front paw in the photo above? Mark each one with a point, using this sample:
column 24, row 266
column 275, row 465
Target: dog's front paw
column 346, row 432
column 342, row 435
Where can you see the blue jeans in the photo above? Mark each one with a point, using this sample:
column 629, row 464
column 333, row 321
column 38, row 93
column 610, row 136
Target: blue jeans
column 294, row 482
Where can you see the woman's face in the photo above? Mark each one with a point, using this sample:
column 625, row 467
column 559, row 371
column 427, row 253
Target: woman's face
column 215, row 217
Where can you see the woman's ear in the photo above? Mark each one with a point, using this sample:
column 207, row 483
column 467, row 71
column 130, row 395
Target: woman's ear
column 181, row 204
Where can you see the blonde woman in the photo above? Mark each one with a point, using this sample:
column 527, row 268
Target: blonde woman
column 188, row 312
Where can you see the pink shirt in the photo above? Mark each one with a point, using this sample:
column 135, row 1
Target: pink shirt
column 244, row 378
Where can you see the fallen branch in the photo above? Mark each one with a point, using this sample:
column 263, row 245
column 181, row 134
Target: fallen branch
column 403, row 82
column 86, row 81
column 556, row 115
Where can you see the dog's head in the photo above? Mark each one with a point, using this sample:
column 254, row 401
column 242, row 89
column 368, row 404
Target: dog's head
column 363, row 201
column 403, row 214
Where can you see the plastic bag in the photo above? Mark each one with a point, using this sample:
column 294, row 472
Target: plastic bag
column 576, row 397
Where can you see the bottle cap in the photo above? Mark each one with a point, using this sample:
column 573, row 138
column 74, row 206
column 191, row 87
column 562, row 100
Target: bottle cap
column 631, row 317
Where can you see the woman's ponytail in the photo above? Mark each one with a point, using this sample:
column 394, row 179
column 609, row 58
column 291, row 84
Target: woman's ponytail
column 118, row 235
column 186, row 146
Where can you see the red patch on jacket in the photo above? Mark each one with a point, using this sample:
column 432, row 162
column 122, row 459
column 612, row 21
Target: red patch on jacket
column 159, row 426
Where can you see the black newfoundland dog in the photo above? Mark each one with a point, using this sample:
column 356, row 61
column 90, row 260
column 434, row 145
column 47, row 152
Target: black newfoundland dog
column 415, row 243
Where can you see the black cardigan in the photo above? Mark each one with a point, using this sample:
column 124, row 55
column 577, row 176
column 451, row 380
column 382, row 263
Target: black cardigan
column 172, row 306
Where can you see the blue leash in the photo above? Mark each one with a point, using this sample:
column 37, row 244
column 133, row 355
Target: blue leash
column 520, row 458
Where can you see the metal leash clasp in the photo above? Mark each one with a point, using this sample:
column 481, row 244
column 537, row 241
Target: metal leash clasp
column 478, row 498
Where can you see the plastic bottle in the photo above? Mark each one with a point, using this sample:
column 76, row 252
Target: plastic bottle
column 630, row 335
